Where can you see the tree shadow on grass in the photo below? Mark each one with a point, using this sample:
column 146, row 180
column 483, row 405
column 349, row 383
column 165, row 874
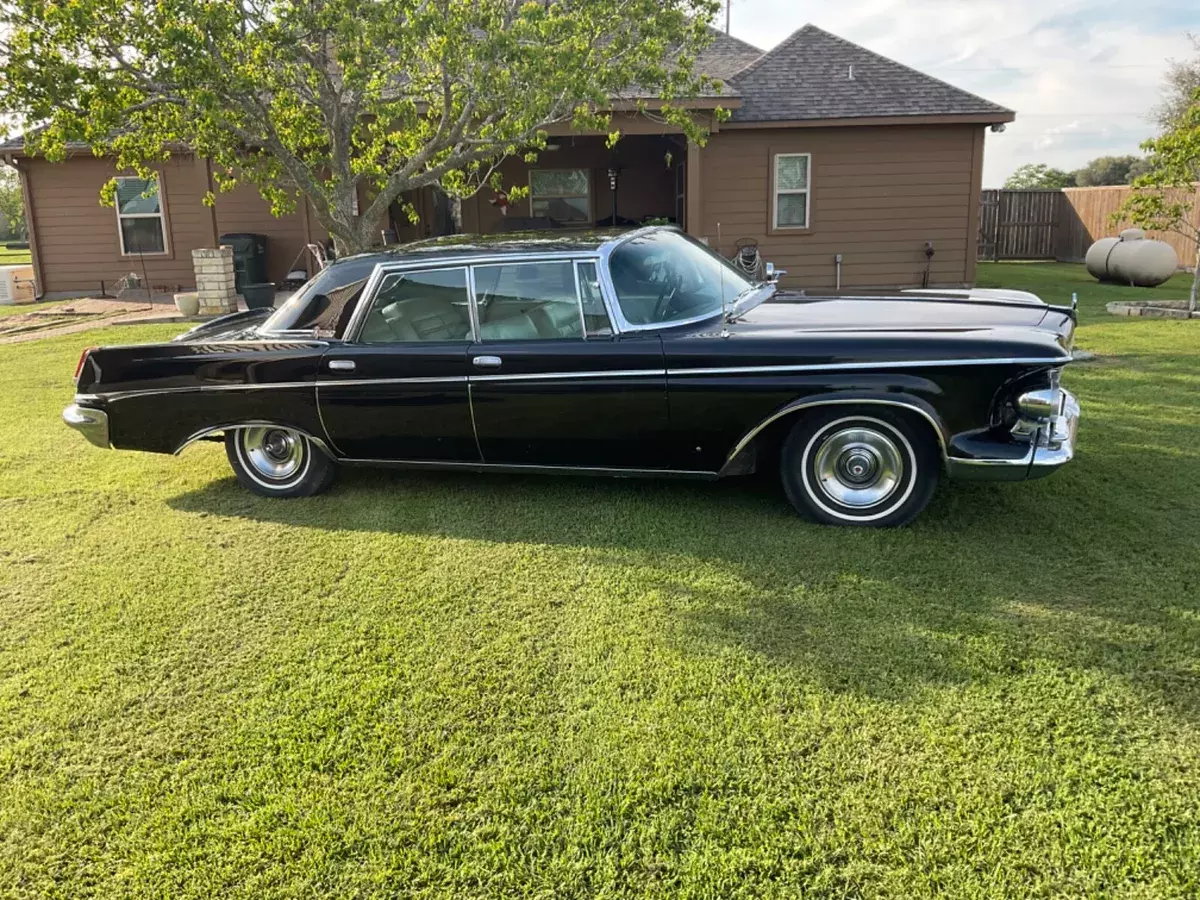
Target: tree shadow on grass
column 1087, row 570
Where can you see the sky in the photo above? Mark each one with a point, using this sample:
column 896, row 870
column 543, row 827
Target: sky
column 1082, row 75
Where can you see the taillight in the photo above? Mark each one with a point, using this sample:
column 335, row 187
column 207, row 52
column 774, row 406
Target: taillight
column 82, row 359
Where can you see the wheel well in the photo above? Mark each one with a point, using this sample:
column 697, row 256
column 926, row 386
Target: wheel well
column 765, row 440
column 218, row 433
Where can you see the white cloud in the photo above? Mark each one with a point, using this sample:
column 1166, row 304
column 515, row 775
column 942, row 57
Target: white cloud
column 1082, row 75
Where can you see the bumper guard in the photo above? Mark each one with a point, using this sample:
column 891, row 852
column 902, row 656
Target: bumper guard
column 1051, row 446
column 91, row 423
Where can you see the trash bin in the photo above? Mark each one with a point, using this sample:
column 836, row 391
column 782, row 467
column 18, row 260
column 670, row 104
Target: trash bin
column 249, row 258
column 259, row 296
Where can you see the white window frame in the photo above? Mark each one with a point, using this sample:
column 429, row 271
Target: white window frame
column 777, row 192
column 591, row 200
column 161, row 215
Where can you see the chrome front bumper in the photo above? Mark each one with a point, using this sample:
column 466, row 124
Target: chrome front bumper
column 91, row 423
column 1050, row 447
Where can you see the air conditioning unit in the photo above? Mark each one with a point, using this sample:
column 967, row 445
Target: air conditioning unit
column 16, row 285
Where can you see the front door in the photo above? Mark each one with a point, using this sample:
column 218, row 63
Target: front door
column 551, row 384
column 397, row 390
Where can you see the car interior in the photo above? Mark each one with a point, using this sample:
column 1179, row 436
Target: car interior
column 516, row 302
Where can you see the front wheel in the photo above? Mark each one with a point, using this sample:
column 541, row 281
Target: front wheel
column 850, row 467
column 278, row 462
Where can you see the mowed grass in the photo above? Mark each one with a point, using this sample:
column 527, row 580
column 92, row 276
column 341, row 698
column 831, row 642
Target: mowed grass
column 14, row 257
column 429, row 685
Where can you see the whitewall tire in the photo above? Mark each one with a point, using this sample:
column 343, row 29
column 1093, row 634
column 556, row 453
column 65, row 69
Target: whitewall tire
column 851, row 466
column 273, row 461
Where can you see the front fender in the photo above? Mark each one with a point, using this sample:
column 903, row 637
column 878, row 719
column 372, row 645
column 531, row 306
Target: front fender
column 737, row 455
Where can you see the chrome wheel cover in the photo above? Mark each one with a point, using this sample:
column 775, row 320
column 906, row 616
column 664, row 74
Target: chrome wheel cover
column 859, row 469
column 274, row 453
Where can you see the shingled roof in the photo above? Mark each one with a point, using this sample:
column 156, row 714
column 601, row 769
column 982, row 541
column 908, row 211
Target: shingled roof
column 817, row 75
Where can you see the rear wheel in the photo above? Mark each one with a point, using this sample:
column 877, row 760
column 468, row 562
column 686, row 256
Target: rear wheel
column 853, row 467
column 278, row 462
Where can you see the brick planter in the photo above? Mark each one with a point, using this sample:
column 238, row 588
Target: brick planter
column 214, row 281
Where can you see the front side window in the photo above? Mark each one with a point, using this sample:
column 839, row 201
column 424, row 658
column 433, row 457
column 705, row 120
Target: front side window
column 792, row 171
column 662, row 277
column 564, row 195
column 140, row 216
column 528, row 301
column 429, row 305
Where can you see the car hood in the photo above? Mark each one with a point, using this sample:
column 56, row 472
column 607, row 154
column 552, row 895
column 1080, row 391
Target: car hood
column 914, row 311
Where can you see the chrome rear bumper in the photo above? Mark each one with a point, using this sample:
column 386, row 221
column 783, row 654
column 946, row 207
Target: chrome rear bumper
column 91, row 423
column 1050, row 447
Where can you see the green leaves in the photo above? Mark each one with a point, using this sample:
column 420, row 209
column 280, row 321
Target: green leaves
column 329, row 98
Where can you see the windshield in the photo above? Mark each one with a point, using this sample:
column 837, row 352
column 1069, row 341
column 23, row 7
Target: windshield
column 326, row 301
column 665, row 276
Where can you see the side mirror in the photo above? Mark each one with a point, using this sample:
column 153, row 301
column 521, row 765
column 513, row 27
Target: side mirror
column 774, row 274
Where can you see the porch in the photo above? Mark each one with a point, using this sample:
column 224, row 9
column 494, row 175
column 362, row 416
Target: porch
column 579, row 182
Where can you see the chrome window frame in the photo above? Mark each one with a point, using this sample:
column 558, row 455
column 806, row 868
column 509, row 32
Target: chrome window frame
column 609, row 289
column 573, row 261
column 595, row 264
column 600, row 256
column 370, row 293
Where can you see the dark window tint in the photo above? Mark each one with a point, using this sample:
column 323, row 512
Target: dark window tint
column 326, row 301
column 431, row 305
column 528, row 301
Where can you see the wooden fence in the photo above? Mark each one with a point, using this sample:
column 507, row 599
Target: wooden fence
column 1062, row 225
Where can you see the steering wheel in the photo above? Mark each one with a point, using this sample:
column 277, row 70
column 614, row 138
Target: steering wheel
column 661, row 305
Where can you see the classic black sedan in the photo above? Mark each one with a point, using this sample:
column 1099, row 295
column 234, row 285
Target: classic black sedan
column 639, row 353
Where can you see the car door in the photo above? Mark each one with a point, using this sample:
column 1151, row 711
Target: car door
column 551, row 383
column 396, row 389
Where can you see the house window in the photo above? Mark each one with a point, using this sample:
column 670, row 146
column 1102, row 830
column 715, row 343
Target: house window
column 792, row 181
column 140, row 216
column 564, row 195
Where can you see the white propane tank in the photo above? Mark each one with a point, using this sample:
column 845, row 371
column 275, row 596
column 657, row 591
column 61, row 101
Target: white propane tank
column 1132, row 259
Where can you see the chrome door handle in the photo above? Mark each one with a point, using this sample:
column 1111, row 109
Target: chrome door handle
column 341, row 365
column 487, row 362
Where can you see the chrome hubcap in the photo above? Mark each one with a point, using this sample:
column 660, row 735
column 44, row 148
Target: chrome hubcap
column 274, row 452
column 858, row 467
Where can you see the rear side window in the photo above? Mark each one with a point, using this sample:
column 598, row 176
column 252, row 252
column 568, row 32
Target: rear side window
column 420, row 306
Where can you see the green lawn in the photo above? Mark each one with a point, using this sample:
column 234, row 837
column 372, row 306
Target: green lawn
column 460, row 686
column 13, row 257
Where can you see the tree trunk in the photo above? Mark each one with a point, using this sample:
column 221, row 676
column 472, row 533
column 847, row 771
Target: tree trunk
column 1195, row 280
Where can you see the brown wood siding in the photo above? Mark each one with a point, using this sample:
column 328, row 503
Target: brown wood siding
column 244, row 211
column 80, row 247
column 877, row 195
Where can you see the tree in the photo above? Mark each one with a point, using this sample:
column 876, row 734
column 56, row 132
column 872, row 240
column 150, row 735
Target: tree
column 1106, row 170
column 12, row 206
column 1182, row 82
column 1039, row 175
column 1165, row 198
column 321, row 98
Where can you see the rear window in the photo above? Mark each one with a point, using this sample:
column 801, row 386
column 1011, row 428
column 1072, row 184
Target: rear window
column 326, row 302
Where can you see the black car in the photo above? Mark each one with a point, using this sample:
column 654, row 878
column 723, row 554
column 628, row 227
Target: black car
column 638, row 353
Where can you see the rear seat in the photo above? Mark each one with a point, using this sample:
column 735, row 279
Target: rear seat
column 418, row 319
column 514, row 328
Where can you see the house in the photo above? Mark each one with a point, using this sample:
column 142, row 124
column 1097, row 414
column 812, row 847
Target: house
column 846, row 168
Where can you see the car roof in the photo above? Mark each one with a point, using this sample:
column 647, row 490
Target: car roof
column 510, row 244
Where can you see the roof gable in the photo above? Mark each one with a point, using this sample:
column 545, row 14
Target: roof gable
column 817, row 75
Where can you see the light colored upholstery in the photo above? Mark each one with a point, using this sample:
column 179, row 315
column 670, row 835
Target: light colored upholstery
column 514, row 328
column 417, row 319
column 557, row 320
